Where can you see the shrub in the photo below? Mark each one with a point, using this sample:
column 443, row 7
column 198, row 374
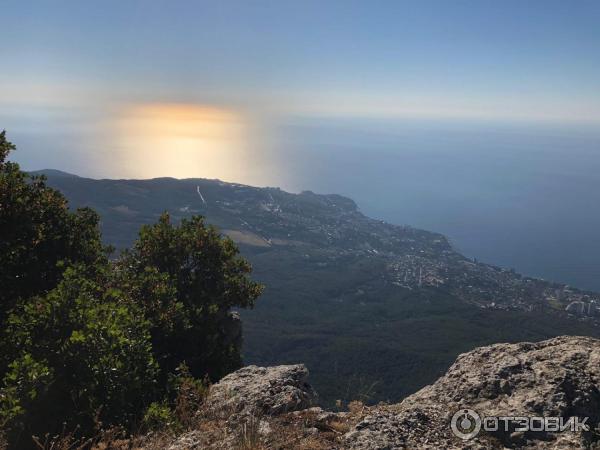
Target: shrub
column 159, row 416
column 190, row 393
column 187, row 278
column 40, row 236
column 82, row 355
column 181, row 412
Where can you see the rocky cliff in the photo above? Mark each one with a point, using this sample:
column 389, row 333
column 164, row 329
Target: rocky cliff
column 269, row 408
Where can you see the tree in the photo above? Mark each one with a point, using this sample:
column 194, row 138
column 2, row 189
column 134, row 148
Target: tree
column 40, row 237
column 187, row 278
column 81, row 354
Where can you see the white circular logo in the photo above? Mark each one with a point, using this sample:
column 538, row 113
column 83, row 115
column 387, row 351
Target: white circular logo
column 465, row 424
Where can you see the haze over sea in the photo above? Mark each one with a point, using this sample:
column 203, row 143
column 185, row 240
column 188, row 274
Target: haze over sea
column 525, row 196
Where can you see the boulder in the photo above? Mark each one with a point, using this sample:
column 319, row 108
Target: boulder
column 244, row 401
column 262, row 391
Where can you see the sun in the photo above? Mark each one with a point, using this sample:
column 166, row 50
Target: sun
column 180, row 140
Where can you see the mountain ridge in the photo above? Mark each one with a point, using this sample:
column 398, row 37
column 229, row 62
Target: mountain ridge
column 53, row 173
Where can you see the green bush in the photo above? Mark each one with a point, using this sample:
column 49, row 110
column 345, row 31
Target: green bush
column 189, row 393
column 159, row 416
column 187, row 278
column 39, row 235
column 82, row 355
column 180, row 409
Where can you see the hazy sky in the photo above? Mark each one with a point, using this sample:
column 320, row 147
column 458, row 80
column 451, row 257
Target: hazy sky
column 194, row 88
column 507, row 59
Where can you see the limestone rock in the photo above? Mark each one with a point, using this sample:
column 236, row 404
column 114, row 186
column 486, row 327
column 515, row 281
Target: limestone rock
column 244, row 401
column 557, row 377
column 262, row 391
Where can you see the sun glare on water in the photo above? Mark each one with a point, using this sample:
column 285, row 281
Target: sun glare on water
column 180, row 140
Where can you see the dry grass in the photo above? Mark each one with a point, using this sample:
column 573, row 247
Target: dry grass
column 302, row 430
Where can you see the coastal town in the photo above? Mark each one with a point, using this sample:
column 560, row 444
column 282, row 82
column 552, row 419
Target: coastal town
column 332, row 227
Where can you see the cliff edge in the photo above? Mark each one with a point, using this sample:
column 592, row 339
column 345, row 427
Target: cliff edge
column 495, row 388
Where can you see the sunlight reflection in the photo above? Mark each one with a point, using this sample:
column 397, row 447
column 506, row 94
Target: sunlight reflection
column 180, row 140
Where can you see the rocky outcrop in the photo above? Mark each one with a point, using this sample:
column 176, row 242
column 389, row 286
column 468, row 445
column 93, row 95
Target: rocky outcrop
column 555, row 378
column 262, row 390
column 245, row 400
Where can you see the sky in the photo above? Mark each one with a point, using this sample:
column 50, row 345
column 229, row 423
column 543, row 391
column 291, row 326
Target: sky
column 91, row 68
column 513, row 59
